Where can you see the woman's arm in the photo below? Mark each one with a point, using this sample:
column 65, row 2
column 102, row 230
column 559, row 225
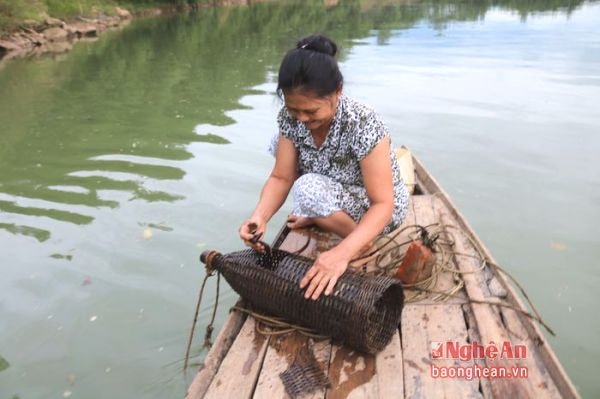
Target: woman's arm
column 376, row 169
column 274, row 192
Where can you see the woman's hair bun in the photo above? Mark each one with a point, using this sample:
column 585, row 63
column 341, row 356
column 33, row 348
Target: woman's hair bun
column 318, row 43
column 311, row 67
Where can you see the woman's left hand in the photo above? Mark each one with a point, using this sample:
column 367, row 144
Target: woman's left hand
column 323, row 274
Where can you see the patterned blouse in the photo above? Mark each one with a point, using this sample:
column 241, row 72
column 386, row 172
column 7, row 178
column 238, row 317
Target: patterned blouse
column 356, row 129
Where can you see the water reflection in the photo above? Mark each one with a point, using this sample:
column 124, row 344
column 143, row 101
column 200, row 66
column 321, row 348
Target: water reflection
column 120, row 113
column 90, row 139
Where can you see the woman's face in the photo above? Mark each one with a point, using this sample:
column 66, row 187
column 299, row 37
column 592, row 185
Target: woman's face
column 315, row 112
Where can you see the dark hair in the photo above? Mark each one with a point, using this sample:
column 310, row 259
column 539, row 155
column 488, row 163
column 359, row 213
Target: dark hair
column 311, row 66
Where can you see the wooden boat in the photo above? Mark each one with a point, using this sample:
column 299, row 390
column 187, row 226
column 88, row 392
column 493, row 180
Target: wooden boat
column 243, row 363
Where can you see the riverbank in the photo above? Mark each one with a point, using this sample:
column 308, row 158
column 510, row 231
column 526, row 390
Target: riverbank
column 41, row 34
column 54, row 35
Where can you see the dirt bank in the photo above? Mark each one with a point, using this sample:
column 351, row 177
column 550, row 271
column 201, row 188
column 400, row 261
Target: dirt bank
column 57, row 36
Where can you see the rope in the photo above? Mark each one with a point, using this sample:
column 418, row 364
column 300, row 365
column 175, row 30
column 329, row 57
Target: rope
column 388, row 256
column 209, row 329
column 496, row 303
column 277, row 325
column 443, row 242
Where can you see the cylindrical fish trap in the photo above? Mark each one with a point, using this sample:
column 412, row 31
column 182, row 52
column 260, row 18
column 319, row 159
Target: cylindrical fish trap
column 363, row 311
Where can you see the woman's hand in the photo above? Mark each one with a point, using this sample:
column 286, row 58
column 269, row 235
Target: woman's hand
column 324, row 273
column 252, row 231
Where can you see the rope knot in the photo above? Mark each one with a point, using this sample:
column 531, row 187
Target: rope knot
column 207, row 258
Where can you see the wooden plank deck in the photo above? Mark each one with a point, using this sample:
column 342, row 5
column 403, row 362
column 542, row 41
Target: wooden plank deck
column 252, row 365
column 423, row 324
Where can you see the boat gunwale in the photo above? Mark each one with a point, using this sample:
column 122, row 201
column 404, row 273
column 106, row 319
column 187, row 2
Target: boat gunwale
column 557, row 372
column 217, row 352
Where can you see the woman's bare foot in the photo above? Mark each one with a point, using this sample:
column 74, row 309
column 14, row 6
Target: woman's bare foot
column 297, row 222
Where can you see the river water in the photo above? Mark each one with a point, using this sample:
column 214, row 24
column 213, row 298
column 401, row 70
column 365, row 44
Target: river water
column 124, row 159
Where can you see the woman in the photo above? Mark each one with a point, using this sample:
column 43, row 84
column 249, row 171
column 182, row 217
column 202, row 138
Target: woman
column 337, row 156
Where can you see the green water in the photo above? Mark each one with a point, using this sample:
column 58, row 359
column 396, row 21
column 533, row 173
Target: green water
column 125, row 158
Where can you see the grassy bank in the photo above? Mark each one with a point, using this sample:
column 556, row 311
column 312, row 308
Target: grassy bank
column 14, row 12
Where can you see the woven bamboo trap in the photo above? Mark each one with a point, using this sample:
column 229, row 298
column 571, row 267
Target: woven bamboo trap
column 363, row 311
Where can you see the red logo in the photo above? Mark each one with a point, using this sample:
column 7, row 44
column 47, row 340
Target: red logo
column 475, row 350
column 437, row 350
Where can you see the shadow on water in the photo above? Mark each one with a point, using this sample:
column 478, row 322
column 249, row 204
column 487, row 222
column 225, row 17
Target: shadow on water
column 118, row 115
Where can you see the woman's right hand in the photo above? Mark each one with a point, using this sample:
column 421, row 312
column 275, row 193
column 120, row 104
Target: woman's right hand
column 252, row 231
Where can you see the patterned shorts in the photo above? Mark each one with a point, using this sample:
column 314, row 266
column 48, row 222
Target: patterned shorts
column 317, row 195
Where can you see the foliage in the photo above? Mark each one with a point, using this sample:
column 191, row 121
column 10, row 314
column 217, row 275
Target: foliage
column 13, row 12
column 69, row 8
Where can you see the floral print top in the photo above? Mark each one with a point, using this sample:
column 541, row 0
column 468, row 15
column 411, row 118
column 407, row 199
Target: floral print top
column 356, row 129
